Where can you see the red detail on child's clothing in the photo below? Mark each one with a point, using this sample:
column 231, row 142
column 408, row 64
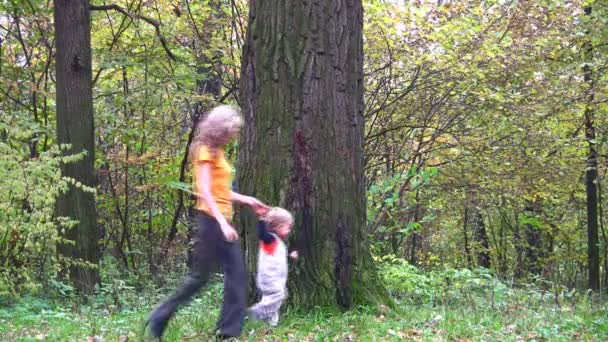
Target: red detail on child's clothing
column 269, row 248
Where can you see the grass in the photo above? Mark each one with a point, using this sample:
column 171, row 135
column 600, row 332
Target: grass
column 521, row 316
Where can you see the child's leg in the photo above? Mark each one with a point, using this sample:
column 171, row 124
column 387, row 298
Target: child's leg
column 274, row 320
column 268, row 307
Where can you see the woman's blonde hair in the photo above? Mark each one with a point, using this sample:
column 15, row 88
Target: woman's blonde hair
column 213, row 128
column 277, row 216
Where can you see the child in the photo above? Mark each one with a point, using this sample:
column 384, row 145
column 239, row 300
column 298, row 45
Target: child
column 271, row 279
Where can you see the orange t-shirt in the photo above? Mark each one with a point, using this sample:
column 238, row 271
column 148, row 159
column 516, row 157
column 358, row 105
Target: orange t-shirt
column 221, row 174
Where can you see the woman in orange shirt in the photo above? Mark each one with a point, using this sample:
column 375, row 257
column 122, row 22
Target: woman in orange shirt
column 216, row 239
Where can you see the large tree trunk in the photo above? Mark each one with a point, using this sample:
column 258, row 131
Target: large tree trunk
column 301, row 148
column 75, row 127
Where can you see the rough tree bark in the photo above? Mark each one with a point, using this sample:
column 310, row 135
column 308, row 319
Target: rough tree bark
column 75, row 126
column 301, row 148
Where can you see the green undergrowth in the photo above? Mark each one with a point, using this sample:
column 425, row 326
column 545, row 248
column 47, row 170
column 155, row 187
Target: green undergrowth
column 450, row 305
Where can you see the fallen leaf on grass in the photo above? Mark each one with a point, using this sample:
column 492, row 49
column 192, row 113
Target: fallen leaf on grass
column 415, row 332
column 343, row 338
column 402, row 335
column 379, row 318
column 434, row 321
column 411, row 335
column 123, row 338
column 348, row 338
column 532, row 336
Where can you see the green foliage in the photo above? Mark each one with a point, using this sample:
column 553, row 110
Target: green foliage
column 447, row 287
column 491, row 94
column 466, row 312
column 28, row 227
column 471, row 107
column 389, row 204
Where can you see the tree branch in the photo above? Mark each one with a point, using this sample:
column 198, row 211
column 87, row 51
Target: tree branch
column 134, row 16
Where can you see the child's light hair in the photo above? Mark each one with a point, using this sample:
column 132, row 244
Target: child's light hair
column 276, row 217
column 220, row 122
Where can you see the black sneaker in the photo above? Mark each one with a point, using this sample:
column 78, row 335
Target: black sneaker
column 221, row 337
column 157, row 322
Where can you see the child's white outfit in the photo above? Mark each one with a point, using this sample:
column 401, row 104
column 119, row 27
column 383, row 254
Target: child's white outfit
column 271, row 279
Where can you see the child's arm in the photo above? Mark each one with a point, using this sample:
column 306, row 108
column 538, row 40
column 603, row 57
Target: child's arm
column 295, row 246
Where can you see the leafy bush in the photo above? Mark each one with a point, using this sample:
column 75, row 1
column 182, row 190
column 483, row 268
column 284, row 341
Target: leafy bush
column 28, row 227
column 407, row 282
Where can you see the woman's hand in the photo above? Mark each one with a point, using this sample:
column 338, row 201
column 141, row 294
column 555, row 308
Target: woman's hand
column 259, row 208
column 229, row 232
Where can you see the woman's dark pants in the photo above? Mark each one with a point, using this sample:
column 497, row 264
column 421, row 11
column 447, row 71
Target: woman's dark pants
column 210, row 247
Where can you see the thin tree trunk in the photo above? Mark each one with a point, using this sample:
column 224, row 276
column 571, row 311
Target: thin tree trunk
column 482, row 245
column 119, row 242
column 520, row 268
column 126, row 234
column 534, row 248
column 210, row 82
column 467, row 249
column 503, row 263
column 602, row 230
column 150, row 248
column 593, row 255
column 301, row 146
column 412, row 257
column 394, row 240
column 75, row 126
